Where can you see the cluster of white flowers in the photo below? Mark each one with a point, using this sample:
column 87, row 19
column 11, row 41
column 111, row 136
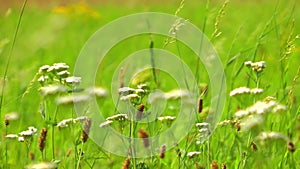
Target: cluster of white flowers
column 23, row 134
column 65, row 123
column 42, row 165
column 250, row 122
column 256, row 66
column 261, row 107
column 204, row 131
column 245, row 90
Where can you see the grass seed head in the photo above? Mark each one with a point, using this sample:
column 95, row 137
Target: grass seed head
column 214, row 165
column 144, row 136
column 86, row 131
column 126, row 164
column 42, row 139
column 162, row 151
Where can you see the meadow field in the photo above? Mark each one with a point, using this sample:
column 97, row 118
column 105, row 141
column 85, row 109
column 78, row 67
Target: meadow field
column 52, row 116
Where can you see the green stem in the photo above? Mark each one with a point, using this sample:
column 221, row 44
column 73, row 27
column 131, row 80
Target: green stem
column 80, row 155
column 10, row 53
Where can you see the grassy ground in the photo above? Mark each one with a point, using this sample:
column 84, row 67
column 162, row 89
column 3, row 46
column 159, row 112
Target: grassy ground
column 264, row 30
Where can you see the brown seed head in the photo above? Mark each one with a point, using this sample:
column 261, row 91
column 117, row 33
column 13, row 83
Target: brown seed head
column 253, row 146
column 214, row 165
column 86, row 131
column 200, row 105
column 6, row 122
column 291, row 147
column 144, row 135
column 126, row 164
column 224, row 166
column 42, row 139
column 162, row 151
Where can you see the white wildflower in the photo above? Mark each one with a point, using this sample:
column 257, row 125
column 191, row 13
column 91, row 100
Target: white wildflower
column 63, row 73
column 263, row 136
column 177, row 94
column 129, row 97
column 139, row 91
column 106, row 123
column 204, row 130
column 117, row 117
column 126, row 90
column 256, row 66
column 64, row 123
column 73, row 80
column 142, row 86
column 11, row 116
column 202, row 124
column 30, row 132
column 250, row 122
column 256, row 91
column 279, row 108
column 242, row 113
column 43, row 78
column 224, row 123
column 98, row 92
column 52, row 90
column 44, row 68
column 21, row 139
column 240, row 90
column 193, row 154
column 42, row 165
column 12, row 136
column 80, row 119
column 72, row 99
column 166, row 118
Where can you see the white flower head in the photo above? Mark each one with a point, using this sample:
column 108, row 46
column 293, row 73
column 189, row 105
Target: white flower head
column 43, row 78
column 73, row 80
column 129, row 97
column 193, row 154
column 11, row 116
column 98, row 92
column 166, row 118
column 250, row 122
column 202, row 124
column 44, row 68
column 12, row 136
column 117, row 117
column 42, row 165
column 126, row 90
column 64, row 123
column 240, row 90
column 263, row 136
column 63, row 73
column 30, row 132
column 52, row 90
column 106, row 123
column 177, row 94
column 72, row 99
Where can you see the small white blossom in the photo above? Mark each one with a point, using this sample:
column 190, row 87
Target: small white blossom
column 73, row 99
column 64, row 123
column 126, row 90
column 250, row 122
column 12, row 136
column 263, row 136
column 177, row 94
column 204, row 130
column 240, row 90
column 224, row 123
column 21, row 139
column 52, row 90
column 166, row 118
column 117, row 117
column 139, row 91
column 193, row 154
column 142, row 86
column 42, row 165
column 44, row 68
column 129, row 97
column 73, row 80
column 106, row 123
column 98, row 92
column 256, row 66
column 11, row 116
column 43, row 78
column 30, row 132
column 256, row 91
column 202, row 124
column 63, row 73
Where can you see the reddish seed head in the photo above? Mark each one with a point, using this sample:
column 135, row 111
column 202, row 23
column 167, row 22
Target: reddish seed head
column 6, row 122
column 42, row 139
column 224, row 166
column 144, row 135
column 253, row 146
column 126, row 164
column 162, row 151
column 291, row 147
column 214, row 165
column 86, row 131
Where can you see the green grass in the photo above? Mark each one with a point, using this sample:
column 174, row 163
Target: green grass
column 252, row 30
